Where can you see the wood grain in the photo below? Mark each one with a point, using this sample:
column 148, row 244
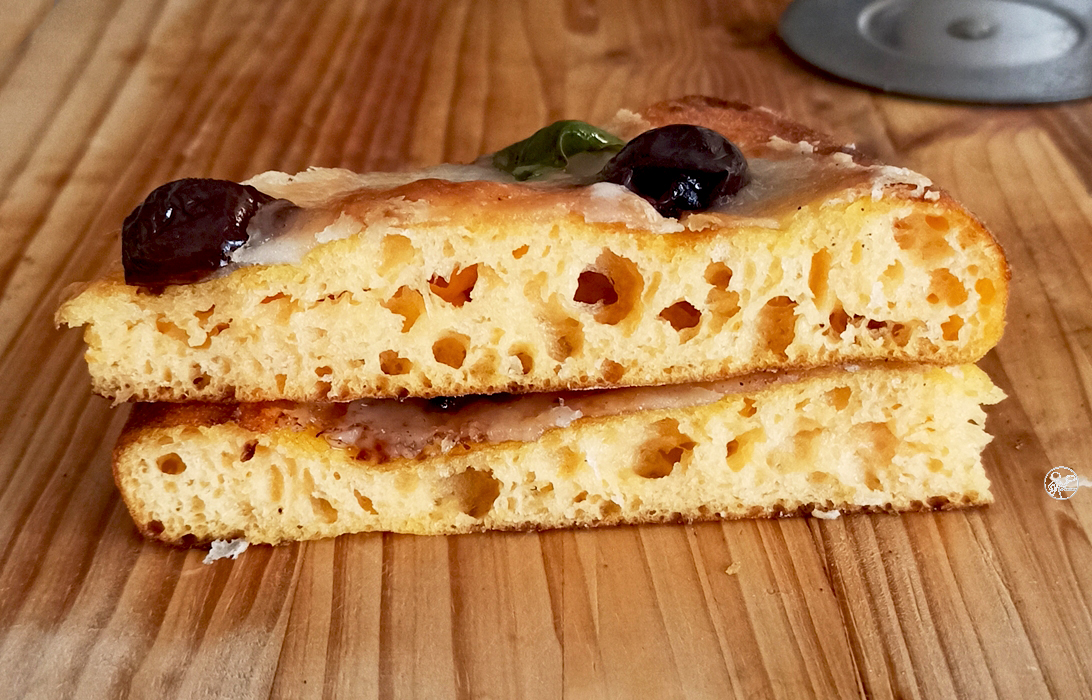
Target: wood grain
column 102, row 100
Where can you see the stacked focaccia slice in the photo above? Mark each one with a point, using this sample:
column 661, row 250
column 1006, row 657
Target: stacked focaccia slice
column 802, row 346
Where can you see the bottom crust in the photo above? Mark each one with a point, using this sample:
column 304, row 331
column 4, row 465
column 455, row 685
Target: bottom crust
column 881, row 438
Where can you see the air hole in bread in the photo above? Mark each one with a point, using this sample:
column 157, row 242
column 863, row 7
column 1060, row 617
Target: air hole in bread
column 923, row 235
column 285, row 304
column 723, row 305
column 800, row 453
column 455, row 291
column 683, row 317
column 951, row 327
column 777, row 325
column 903, row 333
column 568, row 338
column 612, row 288
column 569, row 462
column 201, row 381
column 280, row 380
column 657, row 457
column 520, row 252
column 324, row 371
column 612, row 371
column 594, row 288
column 986, row 291
column 365, row 503
column 719, row 275
column 204, row 316
column 875, row 445
column 155, row 528
column 938, row 223
column 396, row 253
column 485, row 367
column 249, row 449
column 322, row 389
column 276, row 484
column 171, row 330
column 407, row 303
column 473, row 492
column 609, row 509
column 748, row 409
column 892, row 278
column 323, row 510
column 522, row 355
column 189, row 540
column 741, row 448
column 171, row 463
column 839, row 397
column 839, row 321
column 819, row 276
column 391, row 363
column 946, row 287
column 451, row 351
column 856, row 253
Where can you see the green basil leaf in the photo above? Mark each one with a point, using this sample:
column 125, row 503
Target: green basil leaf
column 551, row 147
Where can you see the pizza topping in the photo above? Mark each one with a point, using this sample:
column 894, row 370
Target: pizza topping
column 186, row 229
column 563, row 146
column 382, row 430
column 679, row 167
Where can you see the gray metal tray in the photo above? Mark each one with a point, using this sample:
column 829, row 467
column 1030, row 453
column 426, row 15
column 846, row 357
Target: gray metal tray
column 994, row 51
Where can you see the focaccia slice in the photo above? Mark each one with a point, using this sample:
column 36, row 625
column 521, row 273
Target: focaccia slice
column 878, row 438
column 458, row 280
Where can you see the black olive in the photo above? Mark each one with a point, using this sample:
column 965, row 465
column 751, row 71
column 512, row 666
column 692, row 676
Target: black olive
column 679, row 167
column 186, row 229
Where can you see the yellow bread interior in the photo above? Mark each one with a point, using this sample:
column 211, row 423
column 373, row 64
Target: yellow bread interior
column 877, row 438
column 416, row 285
column 443, row 309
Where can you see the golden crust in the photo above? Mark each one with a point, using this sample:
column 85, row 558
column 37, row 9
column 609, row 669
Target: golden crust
column 142, row 521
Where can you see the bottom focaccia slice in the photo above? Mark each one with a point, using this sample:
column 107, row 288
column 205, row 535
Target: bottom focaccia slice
column 875, row 438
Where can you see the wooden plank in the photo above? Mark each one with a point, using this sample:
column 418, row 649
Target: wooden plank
column 100, row 102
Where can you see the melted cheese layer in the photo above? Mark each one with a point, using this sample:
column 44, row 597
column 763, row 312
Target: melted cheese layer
column 788, row 176
column 383, row 430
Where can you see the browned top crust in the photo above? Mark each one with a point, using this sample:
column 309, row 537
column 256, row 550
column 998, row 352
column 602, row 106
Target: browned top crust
column 750, row 128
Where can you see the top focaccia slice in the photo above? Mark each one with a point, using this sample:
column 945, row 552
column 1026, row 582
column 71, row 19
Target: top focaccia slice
column 458, row 280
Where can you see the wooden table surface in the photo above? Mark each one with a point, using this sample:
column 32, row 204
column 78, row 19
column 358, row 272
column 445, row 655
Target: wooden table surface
column 100, row 101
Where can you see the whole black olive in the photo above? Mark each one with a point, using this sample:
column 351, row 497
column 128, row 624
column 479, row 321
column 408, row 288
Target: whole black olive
column 679, row 167
column 186, row 229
